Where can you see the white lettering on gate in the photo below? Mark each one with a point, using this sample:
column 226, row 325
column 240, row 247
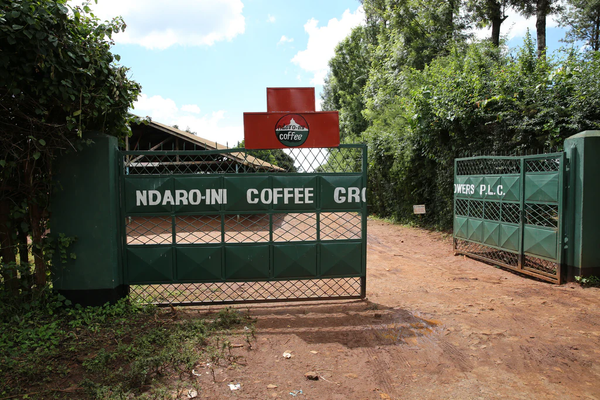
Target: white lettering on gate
column 339, row 195
column 298, row 196
column 263, row 196
column 182, row 197
column 272, row 195
column 195, row 197
column 277, row 192
column 294, row 195
column 154, row 197
column 141, row 198
column 353, row 195
column 308, row 195
column 464, row 188
column 288, row 193
column 350, row 195
column 249, row 194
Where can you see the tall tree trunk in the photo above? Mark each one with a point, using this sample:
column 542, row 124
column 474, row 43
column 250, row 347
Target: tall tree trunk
column 9, row 259
column 450, row 17
column 35, row 218
column 496, row 18
column 26, row 276
column 496, row 31
column 542, row 10
column 595, row 42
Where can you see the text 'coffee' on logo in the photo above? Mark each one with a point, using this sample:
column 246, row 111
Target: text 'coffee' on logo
column 292, row 130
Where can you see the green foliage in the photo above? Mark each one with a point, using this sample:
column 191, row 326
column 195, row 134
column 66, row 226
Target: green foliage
column 57, row 60
column 582, row 18
column 479, row 100
column 593, row 281
column 58, row 78
column 412, row 87
column 348, row 75
column 113, row 351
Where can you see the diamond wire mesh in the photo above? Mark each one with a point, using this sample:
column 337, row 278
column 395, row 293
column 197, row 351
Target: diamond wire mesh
column 476, row 208
column 198, row 229
column 243, row 228
column 506, row 258
column 248, row 228
column 540, row 268
column 511, row 213
column 233, row 292
column 545, row 215
column 542, row 215
column 294, row 227
column 338, row 160
column 488, row 166
column 551, row 164
column 461, row 207
column 148, row 230
column 491, row 210
column 540, row 265
column 340, row 225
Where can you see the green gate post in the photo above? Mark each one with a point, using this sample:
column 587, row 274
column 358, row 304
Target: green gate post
column 582, row 216
column 85, row 205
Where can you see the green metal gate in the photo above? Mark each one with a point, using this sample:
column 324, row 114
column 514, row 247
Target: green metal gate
column 508, row 211
column 226, row 226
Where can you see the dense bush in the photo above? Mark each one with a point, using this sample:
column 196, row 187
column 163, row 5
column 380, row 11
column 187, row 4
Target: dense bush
column 474, row 101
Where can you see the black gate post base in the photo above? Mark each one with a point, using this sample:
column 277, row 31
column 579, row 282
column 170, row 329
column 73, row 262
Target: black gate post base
column 96, row 297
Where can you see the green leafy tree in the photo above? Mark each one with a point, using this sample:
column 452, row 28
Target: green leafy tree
column 540, row 9
column 582, row 18
column 474, row 100
column 486, row 13
column 349, row 71
column 410, row 35
column 58, row 78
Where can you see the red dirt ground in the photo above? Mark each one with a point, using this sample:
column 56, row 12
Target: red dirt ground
column 435, row 326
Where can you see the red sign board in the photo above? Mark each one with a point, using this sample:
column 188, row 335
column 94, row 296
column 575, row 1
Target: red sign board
column 290, row 121
column 291, row 99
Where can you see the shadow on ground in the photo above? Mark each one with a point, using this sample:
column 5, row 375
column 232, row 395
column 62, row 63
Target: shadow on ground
column 352, row 324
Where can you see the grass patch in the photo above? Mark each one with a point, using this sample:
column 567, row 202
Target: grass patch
column 110, row 352
column 592, row 281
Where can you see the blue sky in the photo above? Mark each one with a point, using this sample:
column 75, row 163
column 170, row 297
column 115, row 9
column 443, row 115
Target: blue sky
column 203, row 63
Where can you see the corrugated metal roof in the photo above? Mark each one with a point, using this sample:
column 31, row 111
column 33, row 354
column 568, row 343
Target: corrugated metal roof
column 242, row 158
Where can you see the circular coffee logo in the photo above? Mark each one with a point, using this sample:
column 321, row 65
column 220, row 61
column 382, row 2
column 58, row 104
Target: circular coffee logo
column 292, row 130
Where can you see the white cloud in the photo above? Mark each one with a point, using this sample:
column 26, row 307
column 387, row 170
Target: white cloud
column 156, row 107
column 516, row 25
column 156, row 24
column 192, row 108
column 270, row 18
column 322, row 42
column 284, row 39
column 210, row 126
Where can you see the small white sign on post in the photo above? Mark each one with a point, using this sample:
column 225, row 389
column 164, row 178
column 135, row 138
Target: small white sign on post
column 419, row 209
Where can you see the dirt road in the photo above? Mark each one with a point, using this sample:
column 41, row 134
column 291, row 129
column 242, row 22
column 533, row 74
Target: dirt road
column 435, row 326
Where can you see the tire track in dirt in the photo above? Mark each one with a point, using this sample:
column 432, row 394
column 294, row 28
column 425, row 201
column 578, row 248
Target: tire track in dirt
column 381, row 372
column 455, row 355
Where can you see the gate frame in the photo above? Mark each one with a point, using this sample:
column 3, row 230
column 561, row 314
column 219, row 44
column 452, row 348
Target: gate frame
column 563, row 173
column 122, row 154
